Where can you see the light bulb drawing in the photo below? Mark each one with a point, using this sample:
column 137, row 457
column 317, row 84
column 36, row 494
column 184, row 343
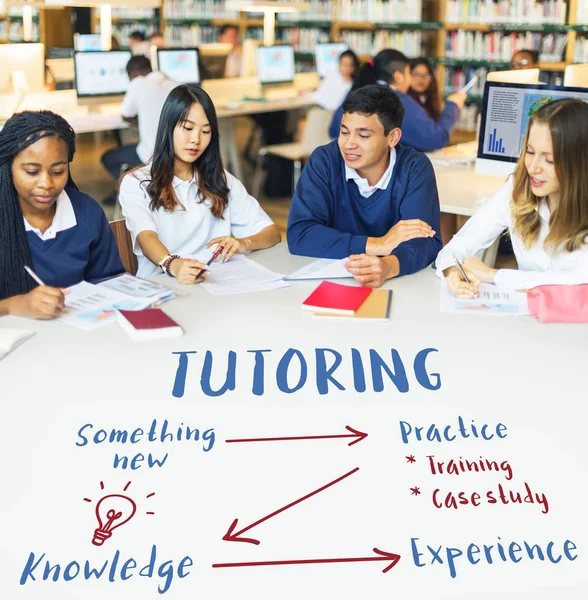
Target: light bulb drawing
column 112, row 511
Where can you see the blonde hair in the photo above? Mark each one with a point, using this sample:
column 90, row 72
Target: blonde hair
column 567, row 120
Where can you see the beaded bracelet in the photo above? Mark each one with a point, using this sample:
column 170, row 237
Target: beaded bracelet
column 165, row 265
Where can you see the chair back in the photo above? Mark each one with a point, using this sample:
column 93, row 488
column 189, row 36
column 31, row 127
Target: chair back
column 316, row 131
column 124, row 243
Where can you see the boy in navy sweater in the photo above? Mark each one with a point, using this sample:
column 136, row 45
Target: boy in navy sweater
column 366, row 197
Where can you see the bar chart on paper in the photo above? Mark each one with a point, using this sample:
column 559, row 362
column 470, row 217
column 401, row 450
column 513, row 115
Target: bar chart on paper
column 495, row 144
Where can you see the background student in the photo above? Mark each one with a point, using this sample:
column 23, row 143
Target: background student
column 45, row 221
column 156, row 39
column 424, row 88
column 525, row 59
column 366, row 196
column 544, row 206
column 392, row 69
column 184, row 201
column 138, row 44
column 143, row 103
column 229, row 34
column 334, row 88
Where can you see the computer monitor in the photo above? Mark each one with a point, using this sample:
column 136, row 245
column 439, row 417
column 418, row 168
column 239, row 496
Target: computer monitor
column 88, row 42
column 515, row 76
column 22, row 58
column 214, row 59
column 576, row 76
column 506, row 110
column 275, row 64
column 326, row 57
column 179, row 64
column 101, row 76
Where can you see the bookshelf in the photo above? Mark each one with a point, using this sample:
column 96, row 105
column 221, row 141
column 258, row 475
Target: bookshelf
column 462, row 37
column 11, row 24
column 125, row 20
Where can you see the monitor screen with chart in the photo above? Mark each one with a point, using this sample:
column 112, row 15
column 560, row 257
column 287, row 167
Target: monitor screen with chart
column 179, row 64
column 101, row 73
column 275, row 64
column 506, row 110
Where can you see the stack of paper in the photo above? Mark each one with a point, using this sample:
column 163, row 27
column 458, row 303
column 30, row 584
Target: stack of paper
column 90, row 306
column 140, row 288
column 344, row 301
column 238, row 276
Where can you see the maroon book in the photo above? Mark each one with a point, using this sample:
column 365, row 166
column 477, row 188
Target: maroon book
column 148, row 324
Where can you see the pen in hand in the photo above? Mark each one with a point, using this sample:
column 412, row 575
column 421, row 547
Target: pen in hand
column 463, row 273
column 212, row 259
column 33, row 275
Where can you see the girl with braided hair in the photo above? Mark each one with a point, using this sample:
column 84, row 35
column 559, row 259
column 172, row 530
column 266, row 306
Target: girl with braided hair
column 45, row 221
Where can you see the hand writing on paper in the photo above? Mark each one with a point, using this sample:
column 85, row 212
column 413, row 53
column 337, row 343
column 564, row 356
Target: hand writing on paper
column 186, row 269
column 43, row 302
column 460, row 288
column 401, row 232
column 372, row 271
column 231, row 246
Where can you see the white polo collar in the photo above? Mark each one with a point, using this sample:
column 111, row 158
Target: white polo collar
column 365, row 188
column 64, row 218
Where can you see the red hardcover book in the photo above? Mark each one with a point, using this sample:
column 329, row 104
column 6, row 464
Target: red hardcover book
column 148, row 324
column 336, row 298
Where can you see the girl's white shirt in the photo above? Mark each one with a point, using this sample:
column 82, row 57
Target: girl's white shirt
column 189, row 227
column 536, row 265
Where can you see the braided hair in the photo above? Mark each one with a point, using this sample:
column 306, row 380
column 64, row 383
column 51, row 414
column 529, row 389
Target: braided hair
column 21, row 131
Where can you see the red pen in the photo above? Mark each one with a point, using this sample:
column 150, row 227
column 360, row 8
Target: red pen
column 212, row 259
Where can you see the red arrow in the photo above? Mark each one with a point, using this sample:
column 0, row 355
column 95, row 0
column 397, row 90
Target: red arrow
column 382, row 556
column 357, row 435
column 235, row 537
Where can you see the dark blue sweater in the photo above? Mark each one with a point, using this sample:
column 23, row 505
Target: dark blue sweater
column 418, row 129
column 329, row 218
column 85, row 252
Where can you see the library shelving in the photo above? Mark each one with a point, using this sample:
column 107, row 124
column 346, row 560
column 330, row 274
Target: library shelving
column 11, row 24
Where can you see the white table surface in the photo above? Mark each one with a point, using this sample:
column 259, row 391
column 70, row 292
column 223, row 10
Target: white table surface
column 277, row 314
column 515, row 371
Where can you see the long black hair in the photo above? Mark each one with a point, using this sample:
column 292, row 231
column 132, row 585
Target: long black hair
column 212, row 180
column 431, row 103
column 20, row 131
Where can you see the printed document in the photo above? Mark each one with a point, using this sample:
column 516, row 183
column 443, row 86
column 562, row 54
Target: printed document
column 492, row 301
column 238, row 276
